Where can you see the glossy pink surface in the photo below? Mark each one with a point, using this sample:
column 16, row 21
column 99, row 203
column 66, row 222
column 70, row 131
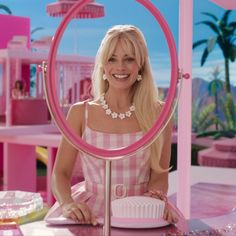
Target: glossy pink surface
column 211, row 209
column 210, row 199
column 221, row 224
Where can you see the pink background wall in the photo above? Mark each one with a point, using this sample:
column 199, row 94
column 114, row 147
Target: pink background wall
column 13, row 25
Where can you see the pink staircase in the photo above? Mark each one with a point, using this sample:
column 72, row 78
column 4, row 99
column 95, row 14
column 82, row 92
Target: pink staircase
column 221, row 154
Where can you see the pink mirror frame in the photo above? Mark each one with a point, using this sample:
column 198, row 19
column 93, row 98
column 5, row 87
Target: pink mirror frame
column 58, row 116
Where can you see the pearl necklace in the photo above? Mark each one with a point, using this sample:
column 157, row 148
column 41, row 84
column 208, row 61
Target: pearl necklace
column 113, row 114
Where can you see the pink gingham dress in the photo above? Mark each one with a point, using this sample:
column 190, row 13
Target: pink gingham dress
column 129, row 176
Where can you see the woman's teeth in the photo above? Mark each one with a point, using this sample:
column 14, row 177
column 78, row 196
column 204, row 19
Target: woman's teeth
column 121, row 76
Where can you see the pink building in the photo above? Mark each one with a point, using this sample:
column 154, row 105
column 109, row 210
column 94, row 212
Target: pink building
column 16, row 59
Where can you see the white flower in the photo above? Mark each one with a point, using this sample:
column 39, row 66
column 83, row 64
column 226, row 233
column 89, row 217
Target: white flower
column 132, row 108
column 108, row 111
column 121, row 116
column 114, row 115
column 128, row 113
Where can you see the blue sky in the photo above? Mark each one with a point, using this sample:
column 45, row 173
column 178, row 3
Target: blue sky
column 83, row 36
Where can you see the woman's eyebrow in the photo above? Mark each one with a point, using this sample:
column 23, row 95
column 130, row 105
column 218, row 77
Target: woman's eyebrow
column 126, row 55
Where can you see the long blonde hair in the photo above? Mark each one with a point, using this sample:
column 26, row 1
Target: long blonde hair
column 144, row 92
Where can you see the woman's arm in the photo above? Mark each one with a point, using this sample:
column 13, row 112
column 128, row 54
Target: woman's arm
column 66, row 157
column 63, row 169
column 160, row 180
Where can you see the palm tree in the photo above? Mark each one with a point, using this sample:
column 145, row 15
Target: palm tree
column 229, row 110
column 228, row 126
column 225, row 38
column 214, row 87
column 202, row 119
column 35, row 30
column 5, row 8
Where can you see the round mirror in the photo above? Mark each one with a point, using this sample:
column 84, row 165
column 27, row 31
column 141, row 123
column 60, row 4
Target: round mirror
column 57, row 114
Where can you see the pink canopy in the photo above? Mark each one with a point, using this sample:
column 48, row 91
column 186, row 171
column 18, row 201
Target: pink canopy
column 226, row 4
column 60, row 8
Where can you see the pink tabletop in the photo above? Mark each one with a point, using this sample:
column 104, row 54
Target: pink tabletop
column 225, row 225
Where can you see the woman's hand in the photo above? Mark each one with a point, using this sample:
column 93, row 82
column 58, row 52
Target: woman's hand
column 79, row 212
column 170, row 215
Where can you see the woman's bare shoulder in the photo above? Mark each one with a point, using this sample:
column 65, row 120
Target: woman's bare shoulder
column 76, row 116
column 76, row 108
column 80, row 106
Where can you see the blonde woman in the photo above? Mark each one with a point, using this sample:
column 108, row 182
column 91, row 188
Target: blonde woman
column 125, row 106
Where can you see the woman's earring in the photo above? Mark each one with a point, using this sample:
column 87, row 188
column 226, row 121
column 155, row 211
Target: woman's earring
column 139, row 77
column 104, row 77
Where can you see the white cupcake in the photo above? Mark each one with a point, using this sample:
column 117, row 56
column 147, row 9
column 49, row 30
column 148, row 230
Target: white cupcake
column 138, row 207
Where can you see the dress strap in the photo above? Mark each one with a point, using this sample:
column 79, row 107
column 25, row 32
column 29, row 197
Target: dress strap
column 86, row 113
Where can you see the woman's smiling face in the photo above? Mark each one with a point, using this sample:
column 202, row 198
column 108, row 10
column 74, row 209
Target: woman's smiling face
column 121, row 68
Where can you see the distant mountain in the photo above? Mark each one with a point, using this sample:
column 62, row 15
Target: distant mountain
column 200, row 92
